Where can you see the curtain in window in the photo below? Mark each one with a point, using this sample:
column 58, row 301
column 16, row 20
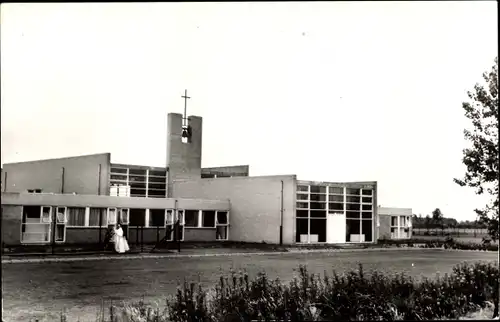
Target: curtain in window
column 94, row 217
column 76, row 217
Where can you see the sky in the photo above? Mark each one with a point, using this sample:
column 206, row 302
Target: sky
column 329, row 91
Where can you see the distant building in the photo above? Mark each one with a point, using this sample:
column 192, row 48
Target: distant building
column 70, row 200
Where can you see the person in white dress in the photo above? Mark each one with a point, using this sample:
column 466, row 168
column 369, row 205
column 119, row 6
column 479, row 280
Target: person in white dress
column 121, row 244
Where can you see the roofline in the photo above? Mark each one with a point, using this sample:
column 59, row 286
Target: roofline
column 63, row 158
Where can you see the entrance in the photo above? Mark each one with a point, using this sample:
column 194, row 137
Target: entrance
column 335, row 228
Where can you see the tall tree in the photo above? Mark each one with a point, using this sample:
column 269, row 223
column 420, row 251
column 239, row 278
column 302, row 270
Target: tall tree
column 437, row 218
column 481, row 158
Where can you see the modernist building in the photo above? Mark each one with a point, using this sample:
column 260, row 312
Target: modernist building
column 70, row 200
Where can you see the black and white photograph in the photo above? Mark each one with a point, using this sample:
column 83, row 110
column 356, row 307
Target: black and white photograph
column 249, row 161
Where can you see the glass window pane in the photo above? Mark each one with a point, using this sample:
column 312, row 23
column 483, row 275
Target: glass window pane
column 222, row 218
column 302, row 229
column 96, row 214
column 336, row 190
column 367, row 192
column 302, row 213
column 353, row 214
column 118, row 170
column 156, row 217
column 191, row 218
column 367, row 199
column 76, row 216
column 351, row 191
column 336, row 206
column 318, row 189
column 352, row 206
column 366, row 215
column 317, row 197
column 317, row 205
column 336, row 198
column 367, row 207
column 302, row 196
column 137, row 217
column 208, row 218
column 303, row 188
column 318, row 213
column 352, row 199
column 303, row 205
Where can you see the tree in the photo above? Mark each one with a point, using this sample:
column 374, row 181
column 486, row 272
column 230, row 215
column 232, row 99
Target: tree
column 481, row 158
column 428, row 222
column 437, row 218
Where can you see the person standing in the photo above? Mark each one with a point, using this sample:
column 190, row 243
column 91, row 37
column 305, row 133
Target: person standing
column 121, row 244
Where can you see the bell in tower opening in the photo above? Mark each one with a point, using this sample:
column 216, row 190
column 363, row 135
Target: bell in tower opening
column 186, row 134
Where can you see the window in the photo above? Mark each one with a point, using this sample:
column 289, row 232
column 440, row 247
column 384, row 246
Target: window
column 353, row 214
column 366, row 215
column 352, row 199
column 34, row 229
column 208, row 218
column 118, row 177
column 303, row 205
column 394, row 220
column 221, row 233
column 318, row 189
column 158, row 185
column 139, row 172
column 76, row 216
column 34, row 190
column 367, row 230
column 60, row 233
column 169, row 220
column 137, row 217
column 318, row 213
column 158, row 173
column 191, row 218
column 367, row 200
column 302, row 196
column 336, row 190
column 97, row 215
column 402, row 221
column 336, row 206
column 318, row 205
column 118, row 170
column 303, row 188
column 367, row 207
column 351, row 191
column 336, row 198
column 156, row 218
column 353, row 231
column 157, row 193
column 157, row 179
column 302, row 213
column 314, row 197
column 124, row 216
column 112, row 216
column 367, row 192
column 207, row 176
column 318, row 231
column 302, row 230
column 352, row 206
column 132, row 178
column 222, row 218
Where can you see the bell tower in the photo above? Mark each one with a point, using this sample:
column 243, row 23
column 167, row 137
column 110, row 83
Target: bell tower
column 184, row 142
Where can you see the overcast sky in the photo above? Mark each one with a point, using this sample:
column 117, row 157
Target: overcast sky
column 328, row 91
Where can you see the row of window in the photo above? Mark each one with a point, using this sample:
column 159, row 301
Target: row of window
column 334, row 190
column 323, row 214
column 316, row 231
column 138, row 172
column 142, row 183
column 333, row 198
column 101, row 217
column 333, row 206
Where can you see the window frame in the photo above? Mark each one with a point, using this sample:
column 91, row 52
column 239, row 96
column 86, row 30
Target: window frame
column 85, row 221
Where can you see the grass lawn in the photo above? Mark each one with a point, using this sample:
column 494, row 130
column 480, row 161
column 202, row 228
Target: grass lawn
column 33, row 290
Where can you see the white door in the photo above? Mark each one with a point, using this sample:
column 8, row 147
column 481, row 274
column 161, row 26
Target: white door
column 335, row 228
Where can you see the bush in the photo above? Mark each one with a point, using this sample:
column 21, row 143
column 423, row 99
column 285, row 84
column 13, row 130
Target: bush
column 350, row 296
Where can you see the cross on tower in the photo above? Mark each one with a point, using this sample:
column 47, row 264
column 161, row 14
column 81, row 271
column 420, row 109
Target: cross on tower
column 185, row 97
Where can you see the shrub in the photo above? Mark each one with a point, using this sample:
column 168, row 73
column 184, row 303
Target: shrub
column 354, row 295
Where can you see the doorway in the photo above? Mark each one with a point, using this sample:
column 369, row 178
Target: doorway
column 336, row 228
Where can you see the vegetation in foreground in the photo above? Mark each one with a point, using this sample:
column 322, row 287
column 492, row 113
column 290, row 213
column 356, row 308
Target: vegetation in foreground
column 354, row 295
